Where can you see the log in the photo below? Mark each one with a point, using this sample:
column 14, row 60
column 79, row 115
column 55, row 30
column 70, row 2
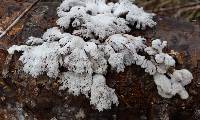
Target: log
column 24, row 96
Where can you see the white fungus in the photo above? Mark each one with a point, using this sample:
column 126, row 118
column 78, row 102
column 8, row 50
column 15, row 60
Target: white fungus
column 99, row 39
column 102, row 97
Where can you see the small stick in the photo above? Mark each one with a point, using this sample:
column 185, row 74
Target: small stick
column 17, row 19
column 186, row 9
column 178, row 7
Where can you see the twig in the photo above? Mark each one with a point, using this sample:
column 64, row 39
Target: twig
column 178, row 7
column 148, row 3
column 187, row 9
column 17, row 19
column 162, row 4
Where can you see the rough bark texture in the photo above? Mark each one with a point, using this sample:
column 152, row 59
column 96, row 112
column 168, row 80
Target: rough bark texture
column 22, row 95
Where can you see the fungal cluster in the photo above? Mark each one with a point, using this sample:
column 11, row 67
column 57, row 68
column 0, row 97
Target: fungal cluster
column 92, row 35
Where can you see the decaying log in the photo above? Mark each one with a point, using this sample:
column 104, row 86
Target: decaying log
column 24, row 96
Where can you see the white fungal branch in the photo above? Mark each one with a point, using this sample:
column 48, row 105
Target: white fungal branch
column 103, row 25
column 101, row 95
column 76, row 83
column 168, row 87
column 96, row 18
column 134, row 14
column 106, row 27
column 39, row 59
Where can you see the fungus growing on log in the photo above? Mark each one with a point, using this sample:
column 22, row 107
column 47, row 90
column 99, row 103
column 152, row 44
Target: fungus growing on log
column 100, row 38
